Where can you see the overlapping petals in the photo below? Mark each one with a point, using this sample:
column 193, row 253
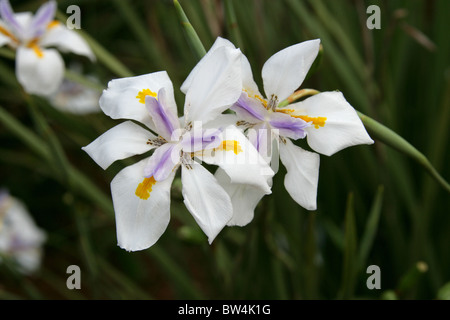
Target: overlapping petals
column 327, row 121
column 141, row 192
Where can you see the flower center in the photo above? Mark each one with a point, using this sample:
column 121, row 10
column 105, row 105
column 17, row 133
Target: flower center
column 37, row 50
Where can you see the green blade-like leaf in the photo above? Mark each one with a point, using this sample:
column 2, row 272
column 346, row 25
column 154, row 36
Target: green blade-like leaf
column 192, row 37
column 349, row 270
column 371, row 228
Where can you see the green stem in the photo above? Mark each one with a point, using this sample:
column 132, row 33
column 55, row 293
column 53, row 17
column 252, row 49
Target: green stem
column 392, row 139
column 192, row 36
column 58, row 157
column 383, row 134
column 232, row 24
column 126, row 9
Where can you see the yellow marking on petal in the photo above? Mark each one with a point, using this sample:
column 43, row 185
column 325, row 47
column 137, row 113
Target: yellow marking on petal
column 144, row 188
column 52, row 24
column 231, row 145
column 33, row 45
column 8, row 34
column 257, row 97
column 143, row 93
column 316, row 121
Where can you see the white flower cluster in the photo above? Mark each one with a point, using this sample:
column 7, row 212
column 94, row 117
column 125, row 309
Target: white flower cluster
column 245, row 143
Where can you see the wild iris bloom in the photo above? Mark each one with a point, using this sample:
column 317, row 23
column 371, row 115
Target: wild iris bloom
column 20, row 239
column 141, row 192
column 39, row 69
column 327, row 120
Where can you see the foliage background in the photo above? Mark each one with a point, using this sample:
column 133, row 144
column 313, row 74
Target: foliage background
column 375, row 205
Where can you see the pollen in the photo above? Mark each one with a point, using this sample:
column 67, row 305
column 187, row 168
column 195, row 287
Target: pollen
column 231, row 145
column 143, row 93
column 33, row 45
column 8, row 34
column 144, row 188
column 316, row 121
column 52, row 24
column 257, row 97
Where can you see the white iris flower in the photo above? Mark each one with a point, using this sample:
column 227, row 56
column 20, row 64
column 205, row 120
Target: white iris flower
column 327, row 120
column 141, row 192
column 21, row 240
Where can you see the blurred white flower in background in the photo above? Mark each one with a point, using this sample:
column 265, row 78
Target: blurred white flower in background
column 39, row 66
column 76, row 98
column 21, row 240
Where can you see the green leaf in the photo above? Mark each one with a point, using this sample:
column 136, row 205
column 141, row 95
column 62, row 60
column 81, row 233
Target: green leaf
column 444, row 292
column 191, row 36
column 392, row 139
column 371, row 227
column 349, row 270
column 232, row 24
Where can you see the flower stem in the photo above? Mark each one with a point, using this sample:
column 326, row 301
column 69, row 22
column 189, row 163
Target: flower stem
column 232, row 24
column 392, row 139
column 58, row 156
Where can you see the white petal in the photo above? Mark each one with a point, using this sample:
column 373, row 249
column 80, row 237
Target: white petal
column 285, row 71
column 343, row 128
column 39, row 75
column 247, row 76
column 205, row 199
column 302, row 174
column 244, row 198
column 215, row 86
column 139, row 223
column 221, row 122
column 3, row 38
column 20, row 237
column 241, row 161
column 248, row 83
column 119, row 100
column 122, row 141
column 220, row 42
column 67, row 40
column 76, row 98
